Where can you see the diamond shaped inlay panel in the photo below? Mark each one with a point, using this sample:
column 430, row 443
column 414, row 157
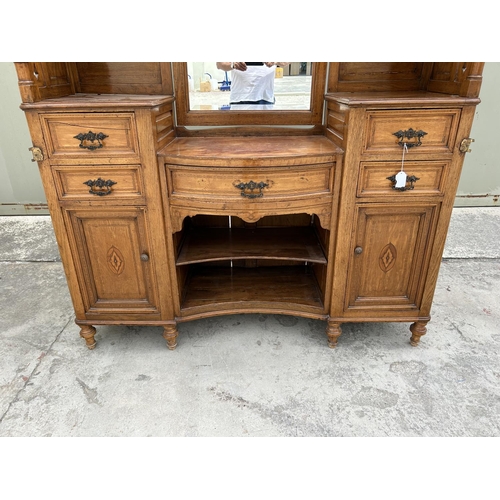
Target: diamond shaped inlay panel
column 387, row 257
column 116, row 262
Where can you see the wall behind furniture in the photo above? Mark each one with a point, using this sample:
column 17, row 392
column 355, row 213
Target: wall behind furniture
column 480, row 182
column 21, row 191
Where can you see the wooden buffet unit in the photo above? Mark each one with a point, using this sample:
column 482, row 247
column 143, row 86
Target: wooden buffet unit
column 163, row 214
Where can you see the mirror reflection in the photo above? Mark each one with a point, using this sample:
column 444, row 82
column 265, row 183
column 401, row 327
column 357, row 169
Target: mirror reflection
column 233, row 86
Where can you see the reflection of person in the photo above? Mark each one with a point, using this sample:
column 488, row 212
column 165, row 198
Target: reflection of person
column 251, row 83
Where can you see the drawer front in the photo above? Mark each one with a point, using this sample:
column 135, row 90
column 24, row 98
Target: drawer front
column 430, row 179
column 434, row 129
column 90, row 134
column 250, row 183
column 99, row 182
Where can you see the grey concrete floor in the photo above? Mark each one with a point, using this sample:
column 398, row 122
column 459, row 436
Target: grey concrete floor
column 250, row 375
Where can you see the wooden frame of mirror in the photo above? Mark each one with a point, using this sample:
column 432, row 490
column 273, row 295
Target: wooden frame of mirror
column 310, row 117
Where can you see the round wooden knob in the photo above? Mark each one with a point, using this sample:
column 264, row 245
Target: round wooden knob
column 358, row 250
column 144, row 257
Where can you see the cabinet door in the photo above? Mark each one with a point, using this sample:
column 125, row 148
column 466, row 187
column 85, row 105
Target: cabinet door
column 113, row 262
column 390, row 254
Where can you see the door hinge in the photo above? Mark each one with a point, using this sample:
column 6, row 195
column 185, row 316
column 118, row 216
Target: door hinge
column 37, row 154
column 464, row 145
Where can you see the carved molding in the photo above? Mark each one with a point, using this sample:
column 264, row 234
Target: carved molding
column 177, row 216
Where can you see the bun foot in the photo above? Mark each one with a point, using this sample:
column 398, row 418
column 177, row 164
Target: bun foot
column 417, row 329
column 87, row 333
column 170, row 335
column 333, row 332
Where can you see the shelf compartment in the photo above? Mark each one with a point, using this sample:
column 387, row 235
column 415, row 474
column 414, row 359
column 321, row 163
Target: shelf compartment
column 291, row 289
column 274, row 243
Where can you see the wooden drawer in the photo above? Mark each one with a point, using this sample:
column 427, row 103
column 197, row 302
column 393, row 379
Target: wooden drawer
column 373, row 178
column 98, row 183
column 440, row 127
column 90, row 134
column 251, row 184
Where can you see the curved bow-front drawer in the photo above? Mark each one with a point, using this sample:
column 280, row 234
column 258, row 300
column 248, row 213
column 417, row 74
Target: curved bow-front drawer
column 250, row 177
column 249, row 184
column 423, row 131
column 250, row 193
column 90, row 135
column 99, row 183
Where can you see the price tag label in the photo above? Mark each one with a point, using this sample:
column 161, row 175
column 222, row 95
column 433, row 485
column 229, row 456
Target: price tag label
column 400, row 180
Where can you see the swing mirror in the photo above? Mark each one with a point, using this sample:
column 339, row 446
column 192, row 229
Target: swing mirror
column 210, row 87
column 203, row 96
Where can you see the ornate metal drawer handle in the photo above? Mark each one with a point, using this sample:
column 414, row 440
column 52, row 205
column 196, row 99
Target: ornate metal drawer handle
column 251, row 186
column 410, row 134
column 410, row 178
column 92, row 138
column 100, row 187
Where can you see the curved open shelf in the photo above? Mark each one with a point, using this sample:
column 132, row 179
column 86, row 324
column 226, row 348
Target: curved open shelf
column 284, row 289
column 273, row 243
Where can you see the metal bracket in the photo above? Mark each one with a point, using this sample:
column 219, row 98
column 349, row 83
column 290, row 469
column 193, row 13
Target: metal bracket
column 37, row 154
column 464, row 145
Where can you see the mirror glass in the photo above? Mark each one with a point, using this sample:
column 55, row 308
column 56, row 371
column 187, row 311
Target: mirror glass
column 210, row 87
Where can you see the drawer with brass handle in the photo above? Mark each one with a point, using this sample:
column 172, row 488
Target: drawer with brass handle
column 90, row 135
column 423, row 178
column 422, row 131
column 257, row 184
column 98, row 183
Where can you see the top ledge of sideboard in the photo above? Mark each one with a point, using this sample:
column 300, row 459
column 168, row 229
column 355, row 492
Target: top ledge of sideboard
column 99, row 101
column 234, row 149
column 418, row 99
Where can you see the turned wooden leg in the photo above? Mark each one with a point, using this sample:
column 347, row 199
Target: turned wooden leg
column 417, row 329
column 333, row 332
column 170, row 335
column 87, row 332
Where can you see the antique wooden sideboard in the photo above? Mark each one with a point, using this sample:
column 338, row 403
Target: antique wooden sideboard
column 165, row 214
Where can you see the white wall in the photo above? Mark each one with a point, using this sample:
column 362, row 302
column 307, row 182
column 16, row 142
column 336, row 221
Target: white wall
column 480, row 181
column 20, row 184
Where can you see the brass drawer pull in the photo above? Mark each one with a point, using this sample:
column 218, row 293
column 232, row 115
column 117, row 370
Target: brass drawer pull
column 251, row 186
column 100, row 187
column 92, row 138
column 410, row 134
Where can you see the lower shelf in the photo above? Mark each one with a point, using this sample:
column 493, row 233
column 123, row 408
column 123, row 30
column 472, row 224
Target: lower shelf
column 285, row 289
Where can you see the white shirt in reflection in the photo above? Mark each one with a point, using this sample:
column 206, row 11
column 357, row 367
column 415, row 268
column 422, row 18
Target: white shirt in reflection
column 254, row 84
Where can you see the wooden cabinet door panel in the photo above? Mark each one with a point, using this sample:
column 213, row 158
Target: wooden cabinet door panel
column 390, row 254
column 113, row 261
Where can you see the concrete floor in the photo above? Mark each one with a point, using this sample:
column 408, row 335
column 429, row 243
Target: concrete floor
column 250, row 375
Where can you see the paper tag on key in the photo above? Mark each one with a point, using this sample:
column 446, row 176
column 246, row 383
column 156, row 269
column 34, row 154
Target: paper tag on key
column 400, row 180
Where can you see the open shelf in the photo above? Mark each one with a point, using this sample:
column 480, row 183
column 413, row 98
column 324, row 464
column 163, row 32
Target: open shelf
column 275, row 243
column 282, row 288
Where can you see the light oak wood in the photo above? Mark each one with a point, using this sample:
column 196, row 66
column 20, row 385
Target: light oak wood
column 71, row 183
column 159, row 223
column 373, row 179
column 274, row 243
